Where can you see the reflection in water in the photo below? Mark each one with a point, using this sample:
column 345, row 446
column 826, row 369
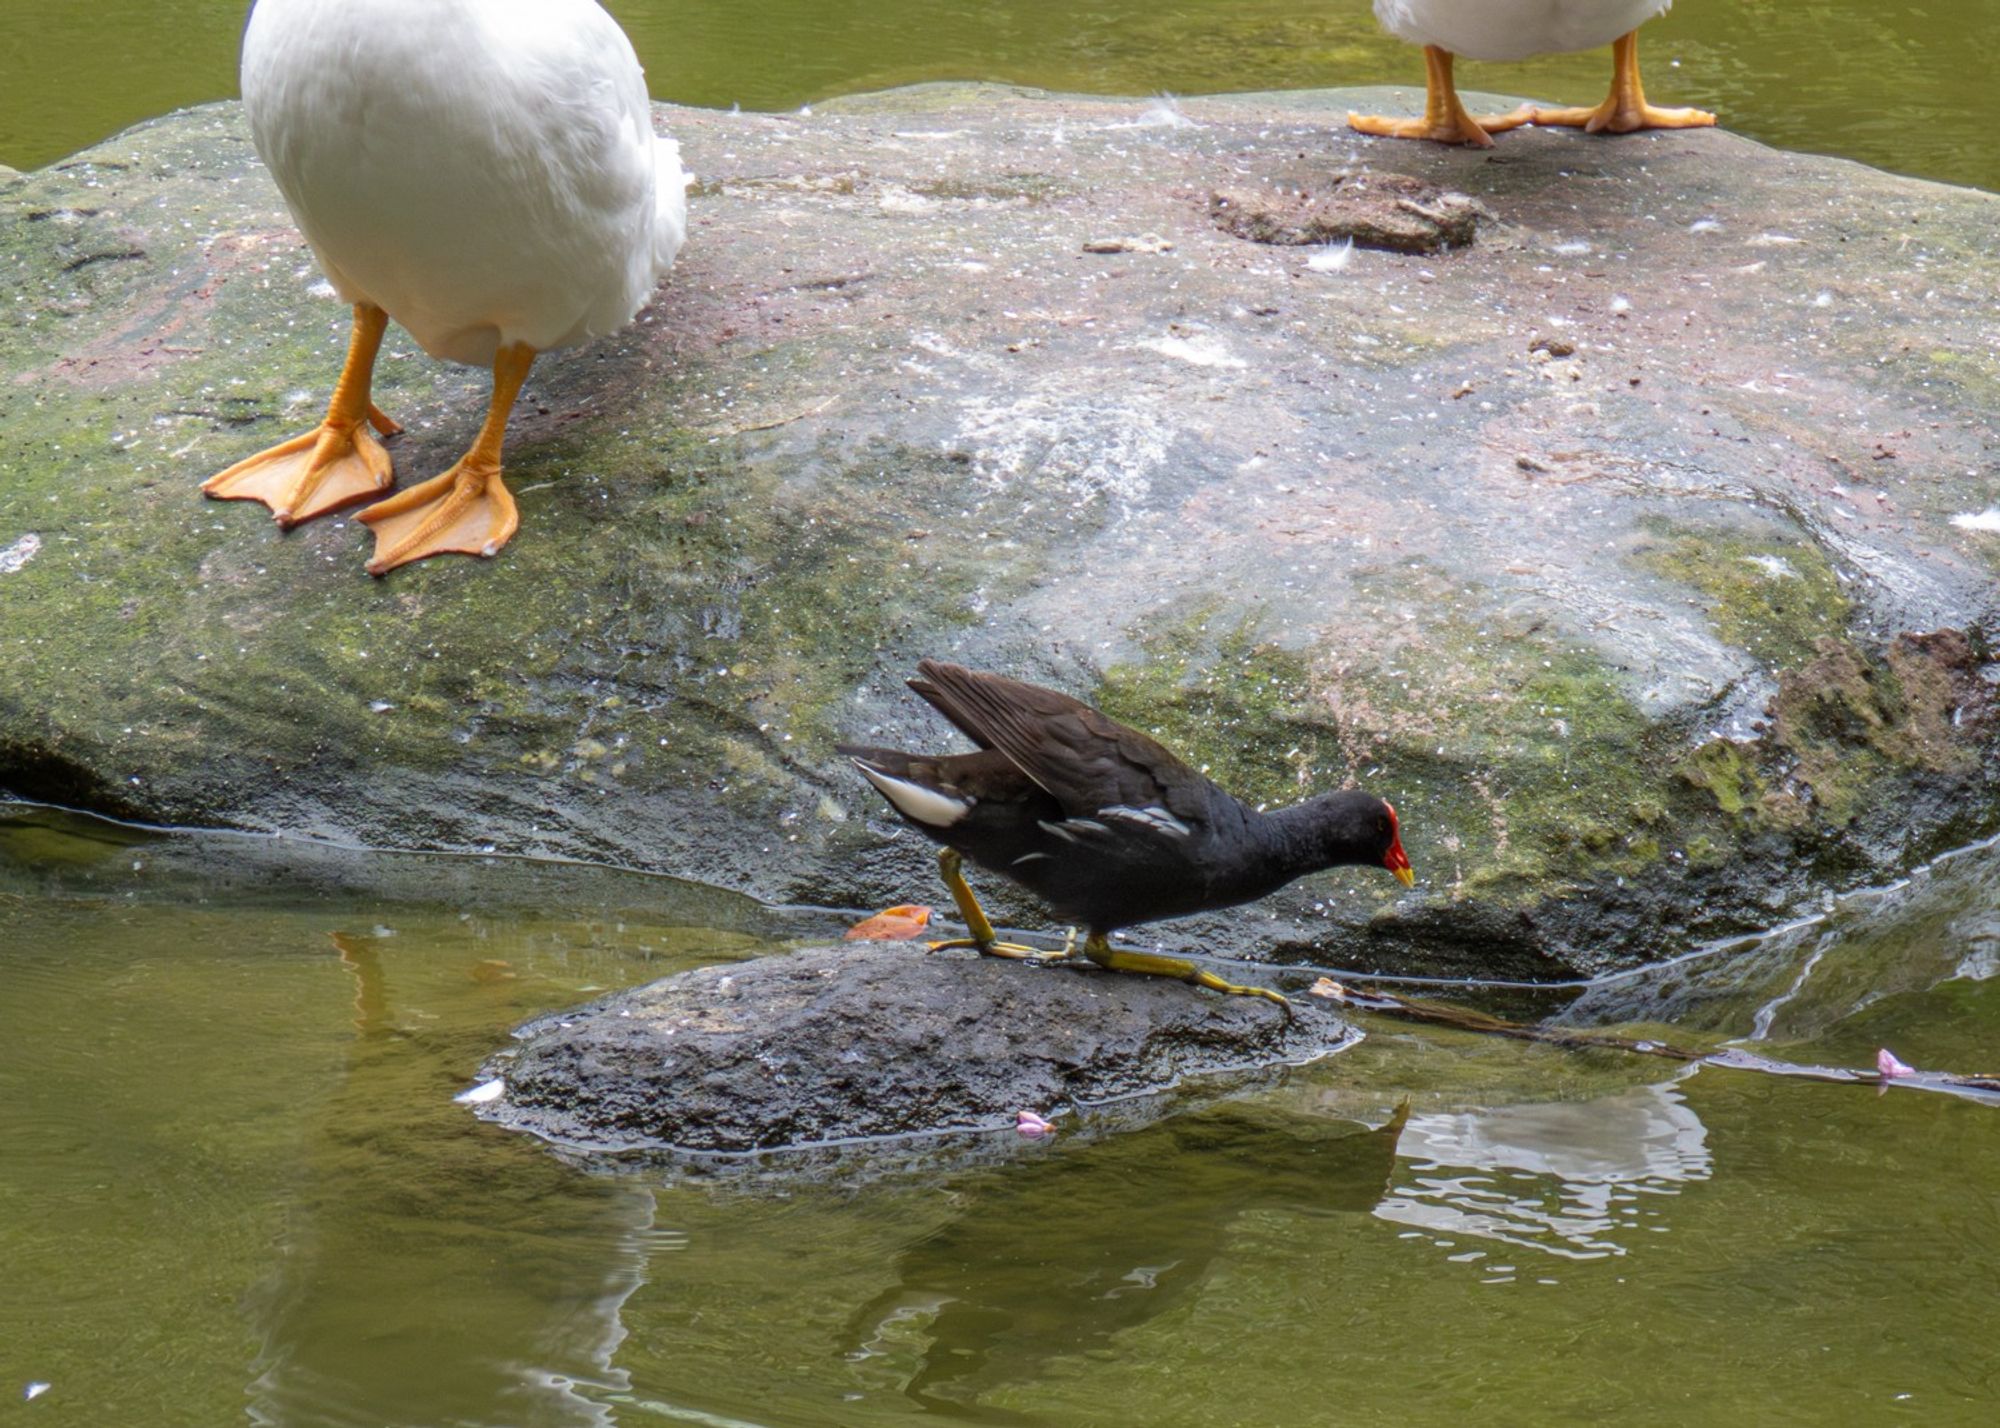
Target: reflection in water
column 381, row 1299
column 231, row 1152
column 1569, row 1178
column 1057, row 1258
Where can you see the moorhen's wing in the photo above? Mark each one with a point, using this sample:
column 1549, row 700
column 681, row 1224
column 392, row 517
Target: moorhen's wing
column 960, row 694
column 1093, row 766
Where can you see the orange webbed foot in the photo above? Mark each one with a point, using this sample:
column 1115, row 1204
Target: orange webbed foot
column 1455, row 127
column 329, row 467
column 466, row 511
column 1617, row 117
column 1625, row 110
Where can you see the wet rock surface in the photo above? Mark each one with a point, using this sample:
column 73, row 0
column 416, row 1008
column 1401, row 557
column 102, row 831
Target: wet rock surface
column 1643, row 551
column 870, row 1040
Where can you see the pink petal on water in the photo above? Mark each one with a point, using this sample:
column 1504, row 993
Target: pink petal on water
column 1888, row 1065
column 1030, row 1124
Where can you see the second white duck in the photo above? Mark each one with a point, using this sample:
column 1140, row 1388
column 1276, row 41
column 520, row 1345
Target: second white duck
column 1515, row 30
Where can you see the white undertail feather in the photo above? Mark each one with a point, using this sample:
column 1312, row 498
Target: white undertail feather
column 928, row 806
column 671, row 185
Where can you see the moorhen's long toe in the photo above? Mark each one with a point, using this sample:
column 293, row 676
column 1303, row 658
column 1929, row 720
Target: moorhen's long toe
column 1103, row 823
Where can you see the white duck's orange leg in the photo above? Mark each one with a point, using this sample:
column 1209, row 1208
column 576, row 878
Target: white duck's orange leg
column 1625, row 109
column 468, row 510
column 1445, row 118
column 338, row 463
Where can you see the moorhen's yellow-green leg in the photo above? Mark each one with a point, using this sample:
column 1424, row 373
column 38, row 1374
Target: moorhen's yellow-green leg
column 337, row 463
column 1445, row 118
column 1625, row 109
column 951, row 866
column 1099, row 950
column 468, row 510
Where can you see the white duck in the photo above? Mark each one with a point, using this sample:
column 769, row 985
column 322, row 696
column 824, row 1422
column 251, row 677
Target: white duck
column 1514, row 30
column 485, row 172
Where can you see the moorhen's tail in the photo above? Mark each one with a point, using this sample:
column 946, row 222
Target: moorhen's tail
column 911, row 784
column 937, row 790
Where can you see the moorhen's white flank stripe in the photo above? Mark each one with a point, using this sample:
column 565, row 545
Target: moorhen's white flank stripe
column 1154, row 817
column 1070, row 827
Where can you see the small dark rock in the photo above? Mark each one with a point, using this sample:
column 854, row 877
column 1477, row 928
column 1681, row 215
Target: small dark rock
column 868, row 1041
column 1389, row 211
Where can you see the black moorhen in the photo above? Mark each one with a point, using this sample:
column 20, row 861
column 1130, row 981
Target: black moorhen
column 1103, row 823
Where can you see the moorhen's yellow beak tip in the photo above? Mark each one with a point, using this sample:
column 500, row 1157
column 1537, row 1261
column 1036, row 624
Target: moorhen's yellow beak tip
column 1405, row 875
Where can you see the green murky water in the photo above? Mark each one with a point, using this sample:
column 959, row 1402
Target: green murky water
column 234, row 1187
column 1905, row 87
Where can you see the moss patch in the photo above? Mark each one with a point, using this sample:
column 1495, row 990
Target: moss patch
column 1515, row 763
column 1852, row 733
column 1772, row 597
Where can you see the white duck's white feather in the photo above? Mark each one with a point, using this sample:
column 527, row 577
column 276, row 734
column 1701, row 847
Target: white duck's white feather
column 485, row 171
column 1514, row 29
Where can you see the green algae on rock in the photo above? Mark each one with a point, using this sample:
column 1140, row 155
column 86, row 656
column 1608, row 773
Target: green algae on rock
column 1617, row 548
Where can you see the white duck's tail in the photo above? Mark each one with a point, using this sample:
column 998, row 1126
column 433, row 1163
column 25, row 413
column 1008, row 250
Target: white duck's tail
column 670, row 196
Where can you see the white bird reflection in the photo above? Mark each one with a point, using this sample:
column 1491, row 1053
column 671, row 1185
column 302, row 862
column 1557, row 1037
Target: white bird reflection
column 1574, row 1179
column 429, row 1279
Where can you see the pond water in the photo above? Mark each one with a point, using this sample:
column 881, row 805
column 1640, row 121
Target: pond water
column 235, row 1187
column 1904, row 87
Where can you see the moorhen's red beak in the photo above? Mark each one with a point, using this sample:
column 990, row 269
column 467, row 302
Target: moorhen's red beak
column 1396, row 860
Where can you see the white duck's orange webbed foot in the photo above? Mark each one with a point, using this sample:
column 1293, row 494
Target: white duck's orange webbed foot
column 1445, row 119
column 1625, row 110
column 1453, row 127
column 466, row 511
column 335, row 465
column 1616, row 117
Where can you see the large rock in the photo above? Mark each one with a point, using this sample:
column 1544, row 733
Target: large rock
column 871, row 1041
column 1641, row 550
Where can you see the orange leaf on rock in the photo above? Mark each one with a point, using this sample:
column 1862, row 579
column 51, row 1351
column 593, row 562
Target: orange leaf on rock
column 895, row 924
